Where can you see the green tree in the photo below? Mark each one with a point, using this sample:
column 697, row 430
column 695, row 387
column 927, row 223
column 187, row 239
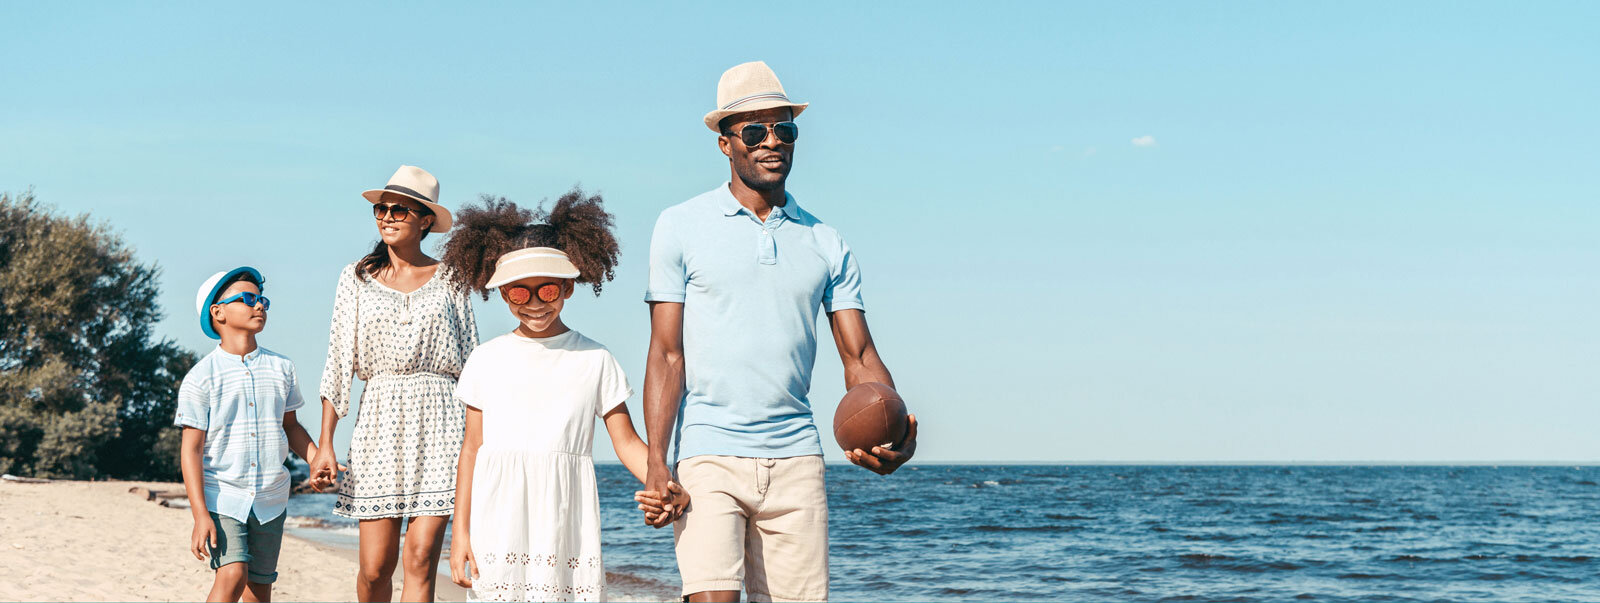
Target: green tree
column 84, row 390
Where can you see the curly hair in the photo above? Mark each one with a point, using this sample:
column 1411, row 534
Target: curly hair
column 578, row 225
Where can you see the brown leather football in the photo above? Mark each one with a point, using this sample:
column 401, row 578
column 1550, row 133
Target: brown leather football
column 871, row 414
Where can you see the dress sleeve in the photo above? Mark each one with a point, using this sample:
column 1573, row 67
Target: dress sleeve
column 613, row 387
column 467, row 339
column 467, row 390
column 342, row 360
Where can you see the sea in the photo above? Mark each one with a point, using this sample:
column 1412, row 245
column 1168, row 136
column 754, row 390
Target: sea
column 1160, row 533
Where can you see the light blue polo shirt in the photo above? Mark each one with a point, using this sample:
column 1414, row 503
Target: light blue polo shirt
column 750, row 293
column 240, row 403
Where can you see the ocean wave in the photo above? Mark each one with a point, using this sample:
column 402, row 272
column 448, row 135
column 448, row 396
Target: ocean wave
column 1286, row 519
column 1419, row 559
column 1366, row 576
column 319, row 523
column 1059, row 517
column 1046, row 528
column 1237, row 564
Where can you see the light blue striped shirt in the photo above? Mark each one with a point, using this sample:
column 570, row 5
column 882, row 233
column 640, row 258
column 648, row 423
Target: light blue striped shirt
column 240, row 404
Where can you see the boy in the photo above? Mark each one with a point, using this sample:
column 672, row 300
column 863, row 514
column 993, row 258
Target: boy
column 237, row 409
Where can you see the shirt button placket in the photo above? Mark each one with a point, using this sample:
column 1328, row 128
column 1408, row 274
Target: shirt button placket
column 766, row 246
column 255, row 423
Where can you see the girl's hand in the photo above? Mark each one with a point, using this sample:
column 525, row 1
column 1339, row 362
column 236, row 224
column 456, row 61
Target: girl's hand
column 203, row 538
column 661, row 510
column 460, row 556
column 654, row 507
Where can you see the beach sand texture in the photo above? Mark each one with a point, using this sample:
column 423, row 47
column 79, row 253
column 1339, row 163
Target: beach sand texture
column 95, row 541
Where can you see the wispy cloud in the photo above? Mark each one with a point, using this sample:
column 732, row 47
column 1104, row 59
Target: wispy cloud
column 1145, row 141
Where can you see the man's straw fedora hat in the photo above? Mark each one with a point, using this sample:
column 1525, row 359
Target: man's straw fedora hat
column 418, row 185
column 749, row 87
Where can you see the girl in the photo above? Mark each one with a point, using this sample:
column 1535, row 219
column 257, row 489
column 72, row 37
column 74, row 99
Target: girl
column 402, row 326
column 528, row 515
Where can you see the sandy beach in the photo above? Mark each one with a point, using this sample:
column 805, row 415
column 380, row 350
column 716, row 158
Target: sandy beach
column 96, row 541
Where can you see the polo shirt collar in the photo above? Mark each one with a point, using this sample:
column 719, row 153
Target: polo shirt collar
column 731, row 207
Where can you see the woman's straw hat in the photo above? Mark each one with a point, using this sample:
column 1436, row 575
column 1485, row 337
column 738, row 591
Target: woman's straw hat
column 749, row 87
column 418, row 185
column 533, row 261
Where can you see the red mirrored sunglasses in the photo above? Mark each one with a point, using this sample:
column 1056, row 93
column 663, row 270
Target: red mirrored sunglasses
column 547, row 293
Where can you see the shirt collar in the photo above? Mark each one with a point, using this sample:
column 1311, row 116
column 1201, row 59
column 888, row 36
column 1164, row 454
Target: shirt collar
column 731, row 207
column 251, row 357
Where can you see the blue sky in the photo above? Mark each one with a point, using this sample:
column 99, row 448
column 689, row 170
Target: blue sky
column 1116, row 231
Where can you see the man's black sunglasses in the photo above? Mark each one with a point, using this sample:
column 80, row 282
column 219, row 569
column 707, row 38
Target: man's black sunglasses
column 753, row 134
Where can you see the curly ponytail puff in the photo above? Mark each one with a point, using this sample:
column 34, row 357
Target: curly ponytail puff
column 480, row 235
column 578, row 225
column 582, row 228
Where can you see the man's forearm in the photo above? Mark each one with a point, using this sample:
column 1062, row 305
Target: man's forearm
column 662, row 393
column 869, row 368
column 857, row 352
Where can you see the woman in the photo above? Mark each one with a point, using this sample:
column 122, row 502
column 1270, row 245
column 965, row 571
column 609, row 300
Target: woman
column 401, row 325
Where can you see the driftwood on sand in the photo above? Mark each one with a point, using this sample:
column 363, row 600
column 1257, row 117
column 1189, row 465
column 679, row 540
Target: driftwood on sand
column 23, row 480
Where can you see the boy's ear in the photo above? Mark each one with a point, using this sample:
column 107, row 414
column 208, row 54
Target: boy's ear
column 572, row 287
column 217, row 316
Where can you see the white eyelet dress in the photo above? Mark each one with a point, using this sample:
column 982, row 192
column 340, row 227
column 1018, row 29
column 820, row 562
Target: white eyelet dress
column 409, row 349
column 535, row 524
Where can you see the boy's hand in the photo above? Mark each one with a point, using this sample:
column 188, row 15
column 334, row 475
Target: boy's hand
column 203, row 538
column 662, row 510
column 460, row 556
column 325, row 469
column 883, row 461
column 326, row 480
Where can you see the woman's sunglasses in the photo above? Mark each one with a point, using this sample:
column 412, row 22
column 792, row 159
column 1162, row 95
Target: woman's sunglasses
column 249, row 299
column 755, row 133
column 400, row 212
column 547, row 293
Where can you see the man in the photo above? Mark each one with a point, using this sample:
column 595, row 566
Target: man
column 736, row 278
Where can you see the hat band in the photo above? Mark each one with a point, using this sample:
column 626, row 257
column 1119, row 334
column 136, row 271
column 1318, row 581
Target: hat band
column 406, row 191
column 755, row 97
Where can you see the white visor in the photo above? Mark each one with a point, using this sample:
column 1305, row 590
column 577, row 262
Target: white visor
column 533, row 261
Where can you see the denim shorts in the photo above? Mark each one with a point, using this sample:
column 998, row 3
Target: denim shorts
column 252, row 543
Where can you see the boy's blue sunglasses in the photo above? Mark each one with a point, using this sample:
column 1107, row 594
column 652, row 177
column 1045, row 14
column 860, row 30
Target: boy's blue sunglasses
column 249, row 299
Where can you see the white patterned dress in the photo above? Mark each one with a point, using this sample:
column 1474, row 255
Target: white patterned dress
column 408, row 348
column 535, row 525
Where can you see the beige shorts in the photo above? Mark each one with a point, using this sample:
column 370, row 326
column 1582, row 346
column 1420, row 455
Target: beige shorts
column 756, row 524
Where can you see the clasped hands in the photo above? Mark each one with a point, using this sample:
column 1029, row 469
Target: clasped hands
column 661, row 509
column 325, row 470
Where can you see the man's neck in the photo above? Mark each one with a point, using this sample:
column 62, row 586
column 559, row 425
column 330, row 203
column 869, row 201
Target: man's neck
column 759, row 203
column 237, row 343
